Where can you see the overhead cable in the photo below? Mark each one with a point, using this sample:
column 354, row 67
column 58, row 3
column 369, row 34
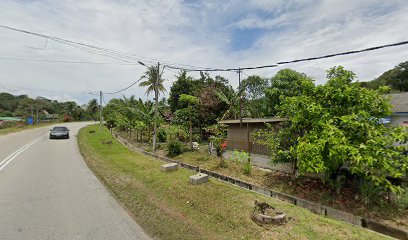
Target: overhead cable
column 131, row 85
column 293, row 61
column 64, row 61
column 123, row 56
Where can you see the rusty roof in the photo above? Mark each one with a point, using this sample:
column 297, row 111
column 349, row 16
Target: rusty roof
column 399, row 102
column 253, row 120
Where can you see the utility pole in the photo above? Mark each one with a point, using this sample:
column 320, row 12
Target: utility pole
column 156, row 98
column 240, row 97
column 100, row 111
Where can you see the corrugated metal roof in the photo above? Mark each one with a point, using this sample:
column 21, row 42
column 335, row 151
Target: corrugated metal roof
column 399, row 102
column 11, row 119
column 253, row 120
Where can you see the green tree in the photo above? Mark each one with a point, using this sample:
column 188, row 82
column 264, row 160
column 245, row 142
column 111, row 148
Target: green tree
column 396, row 79
column 191, row 101
column 150, row 77
column 254, row 93
column 92, row 108
column 336, row 127
column 231, row 98
column 286, row 83
column 183, row 85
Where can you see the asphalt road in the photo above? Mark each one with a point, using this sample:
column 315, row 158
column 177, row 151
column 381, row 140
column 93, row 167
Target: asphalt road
column 48, row 192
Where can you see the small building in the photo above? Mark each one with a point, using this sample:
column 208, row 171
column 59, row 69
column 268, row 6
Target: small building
column 399, row 103
column 240, row 137
column 47, row 117
column 9, row 121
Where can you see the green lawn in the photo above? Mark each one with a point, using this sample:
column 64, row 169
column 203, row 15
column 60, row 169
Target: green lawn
column 4, row 131
column 168, row 207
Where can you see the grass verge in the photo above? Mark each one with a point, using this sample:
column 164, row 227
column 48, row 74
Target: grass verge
column 168, row 207
column 4, row 131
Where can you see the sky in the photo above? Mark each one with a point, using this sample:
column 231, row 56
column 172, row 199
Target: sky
column 211, row 33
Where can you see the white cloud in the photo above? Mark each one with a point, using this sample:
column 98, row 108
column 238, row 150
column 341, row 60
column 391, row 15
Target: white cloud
column 193, row 32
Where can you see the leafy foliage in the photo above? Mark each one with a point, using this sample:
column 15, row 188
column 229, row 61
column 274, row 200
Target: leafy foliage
column 183, row 85
column 286, row 83
column 174, row 148
column 23, row 106
column 150, row 77
column 336, row 126
column 255, row 101
column 162, row 135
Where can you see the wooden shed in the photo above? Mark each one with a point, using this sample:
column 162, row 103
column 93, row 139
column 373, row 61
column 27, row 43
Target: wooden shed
column 240, row 137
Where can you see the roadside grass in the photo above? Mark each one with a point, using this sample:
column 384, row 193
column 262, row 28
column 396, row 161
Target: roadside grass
column 7, row 130
column 168, row 207
column 314, row 190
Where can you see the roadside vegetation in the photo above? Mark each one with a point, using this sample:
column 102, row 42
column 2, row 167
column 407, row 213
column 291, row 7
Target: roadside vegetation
column 333, row 130
column 42, row 110
column 168, row 207
column 18, row 128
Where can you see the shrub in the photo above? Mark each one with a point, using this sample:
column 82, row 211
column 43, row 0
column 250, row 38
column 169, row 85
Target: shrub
column 239, row 156
column 370, row 194
column 402, row 200
column 67, row 118
column 162, row 135
column 247, row 167
column 174, row 148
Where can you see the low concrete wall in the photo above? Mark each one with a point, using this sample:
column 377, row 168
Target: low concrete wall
column 314, row 207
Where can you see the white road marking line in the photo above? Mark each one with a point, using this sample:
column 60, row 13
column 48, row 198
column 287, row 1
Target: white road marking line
column 12, row 156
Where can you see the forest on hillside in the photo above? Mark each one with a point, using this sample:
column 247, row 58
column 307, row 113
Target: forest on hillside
column 396, row 79
column 23, row 106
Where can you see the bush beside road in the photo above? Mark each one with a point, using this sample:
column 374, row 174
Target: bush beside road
column 168, row 207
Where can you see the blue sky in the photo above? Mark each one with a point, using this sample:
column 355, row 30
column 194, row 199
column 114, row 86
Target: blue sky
column 211, row 33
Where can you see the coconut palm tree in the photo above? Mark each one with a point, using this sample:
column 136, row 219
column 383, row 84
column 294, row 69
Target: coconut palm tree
column 150, row 77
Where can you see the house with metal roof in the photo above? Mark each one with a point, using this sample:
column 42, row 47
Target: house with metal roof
column 399, row 114
column 240, row 137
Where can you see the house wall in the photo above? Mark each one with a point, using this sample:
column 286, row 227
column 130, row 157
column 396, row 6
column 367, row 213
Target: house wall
column 397, row 119
column 237, row 138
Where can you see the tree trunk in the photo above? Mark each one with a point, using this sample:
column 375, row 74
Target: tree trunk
column 137, row 137
column 141, row 136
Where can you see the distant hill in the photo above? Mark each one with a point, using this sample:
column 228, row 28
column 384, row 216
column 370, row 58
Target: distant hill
column 396, row 79
column 22, row 105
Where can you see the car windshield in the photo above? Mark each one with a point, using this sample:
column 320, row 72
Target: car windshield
column 60, row 129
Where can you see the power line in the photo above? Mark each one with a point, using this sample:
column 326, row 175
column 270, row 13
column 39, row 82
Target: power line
column 119, row 56
column 131, row 85
column 99, row 50
column 295, row 61
column 64, row 61
column 345, row 53
column 221, row 69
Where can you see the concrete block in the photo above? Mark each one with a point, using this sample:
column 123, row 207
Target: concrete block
column 283, row 197
column 169, row 167
column 261, row 190
column 314, row 207
column 384, row 229
column 344, row 216
column 198, row 178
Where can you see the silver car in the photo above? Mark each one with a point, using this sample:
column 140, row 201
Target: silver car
column 59, row 132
